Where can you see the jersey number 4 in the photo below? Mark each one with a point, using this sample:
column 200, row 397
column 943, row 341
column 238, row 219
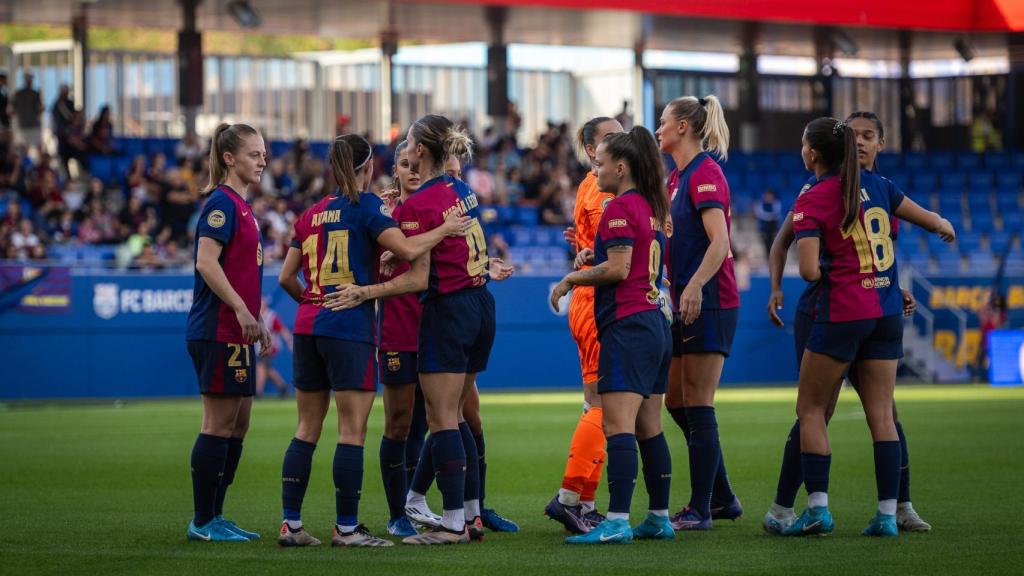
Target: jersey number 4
column 334, row 271
column 873, row 239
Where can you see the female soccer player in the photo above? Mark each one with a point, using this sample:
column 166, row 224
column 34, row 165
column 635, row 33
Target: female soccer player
column 703, row 286
column 858, row 315
column 574, row 505
column 870, row 141
column 335, row 244
column 634, row 334
column 224, row 323
column 457, row 326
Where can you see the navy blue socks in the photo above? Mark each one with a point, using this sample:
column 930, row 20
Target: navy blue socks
column 209, row 454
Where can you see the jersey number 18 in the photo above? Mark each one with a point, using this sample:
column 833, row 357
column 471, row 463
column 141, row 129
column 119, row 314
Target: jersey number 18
column 873, row 240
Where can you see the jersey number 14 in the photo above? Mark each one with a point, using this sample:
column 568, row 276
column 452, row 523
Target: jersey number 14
column 334, row 271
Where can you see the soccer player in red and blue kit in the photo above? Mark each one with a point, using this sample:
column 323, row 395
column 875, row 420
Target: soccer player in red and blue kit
column 223, row 324
column 703, row 286
column 845, row 242
column 458, row 323
column 870, row 140
column 633, row 332
column 335, row 244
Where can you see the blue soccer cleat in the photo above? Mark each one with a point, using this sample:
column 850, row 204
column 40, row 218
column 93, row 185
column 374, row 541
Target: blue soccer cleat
column 234, row 528
column 813, row 521
column 654, row 527
column 212, row 531
column 882, row 525
column 607, row 532
column 570, row 516
column 689, row 519
column 496, row 522
column 401, row 527
column 731, row 511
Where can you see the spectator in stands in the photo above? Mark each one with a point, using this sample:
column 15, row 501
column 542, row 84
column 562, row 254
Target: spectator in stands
column 72, row 145
column 13, row 215
column 61, row 114
column 189, row 151
column 94, row 191
column 992, row 316
column 135, row 179
column 177, row 204
column 624, row 117
column 101, row 136
column 552, row 194
column 28, row 110
column 24, row 240
column 5, row 103
column 12, row 177
column 768, row 212
column 66, row 229
column 48, row 197
column 98, row 224
column 148, row 258
column 37, row 178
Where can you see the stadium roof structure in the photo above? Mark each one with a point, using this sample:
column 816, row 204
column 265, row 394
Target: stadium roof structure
column 787, row 26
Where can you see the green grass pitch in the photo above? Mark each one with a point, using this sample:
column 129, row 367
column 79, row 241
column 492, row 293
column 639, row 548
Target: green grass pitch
column 102, row 489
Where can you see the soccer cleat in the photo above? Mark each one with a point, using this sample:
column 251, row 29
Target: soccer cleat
column 774, row 524
column 438, row 536
column 813, row 521
column 593, row 518
column 496, row 522
column 476, row 529
column 401, row 527
column 907, row 520
column 570, row 516
column 422, row 515
column 689, row 519
column 654, row 527
column 731, row 511
column 882, row 525
column 234, row 528
column 360, row 537
column 289, row 538
column 212, row 531
column 607, row 532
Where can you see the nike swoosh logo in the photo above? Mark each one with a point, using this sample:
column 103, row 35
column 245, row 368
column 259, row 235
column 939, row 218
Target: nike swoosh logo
column 607, row 538
column 201, row 536
column 688, row 339
column 395, row 466
column 658, row 533
column 811, row 526
column 245, row 213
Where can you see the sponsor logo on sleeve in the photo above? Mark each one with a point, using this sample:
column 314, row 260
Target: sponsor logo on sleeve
column 410, row 225
column 706, row 188
column 617, row 223
column 216, row 219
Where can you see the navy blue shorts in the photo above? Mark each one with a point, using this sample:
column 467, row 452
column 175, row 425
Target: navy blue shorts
column 224, row 369
column 636, row 353
column 713, row 331
column 323, row 363
column 457, row 332
column 803, row 323
column 872, row 339
column 677, row 336
column 398, row 368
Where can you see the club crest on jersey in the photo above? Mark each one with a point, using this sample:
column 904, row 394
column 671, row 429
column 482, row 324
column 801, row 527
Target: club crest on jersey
column 384, row 210
column 241, row 375
column 216, row 219
column 617, row 223
column 706, row 188
column 798, row 216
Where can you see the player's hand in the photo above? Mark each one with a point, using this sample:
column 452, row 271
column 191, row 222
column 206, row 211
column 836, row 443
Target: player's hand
column 909, row 303
column 570, row 236
column 584, row 258
column 264, row 340
column 561, row 289
column 390, row 195
column 499, row 270
column 456, row 224
column 388, row 263
column 690, row 302
column 251, row 327
column 946, row 231
column 347, row 296
column 774, row 305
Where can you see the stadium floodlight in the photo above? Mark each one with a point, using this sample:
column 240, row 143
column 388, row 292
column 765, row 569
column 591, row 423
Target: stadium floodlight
column 846, row 44
column 964, row 48
column 244, row 13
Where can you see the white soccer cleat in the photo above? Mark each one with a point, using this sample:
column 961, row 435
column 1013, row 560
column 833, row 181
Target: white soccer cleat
column 908, row 520
column 777, row 523
column 422, row 515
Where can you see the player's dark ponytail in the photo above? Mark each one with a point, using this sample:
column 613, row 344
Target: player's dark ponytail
column 639, row 149
column 836, row 144
column 226, row 138
column 349, row 154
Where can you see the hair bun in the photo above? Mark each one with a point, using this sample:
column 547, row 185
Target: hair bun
column 839, row 128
